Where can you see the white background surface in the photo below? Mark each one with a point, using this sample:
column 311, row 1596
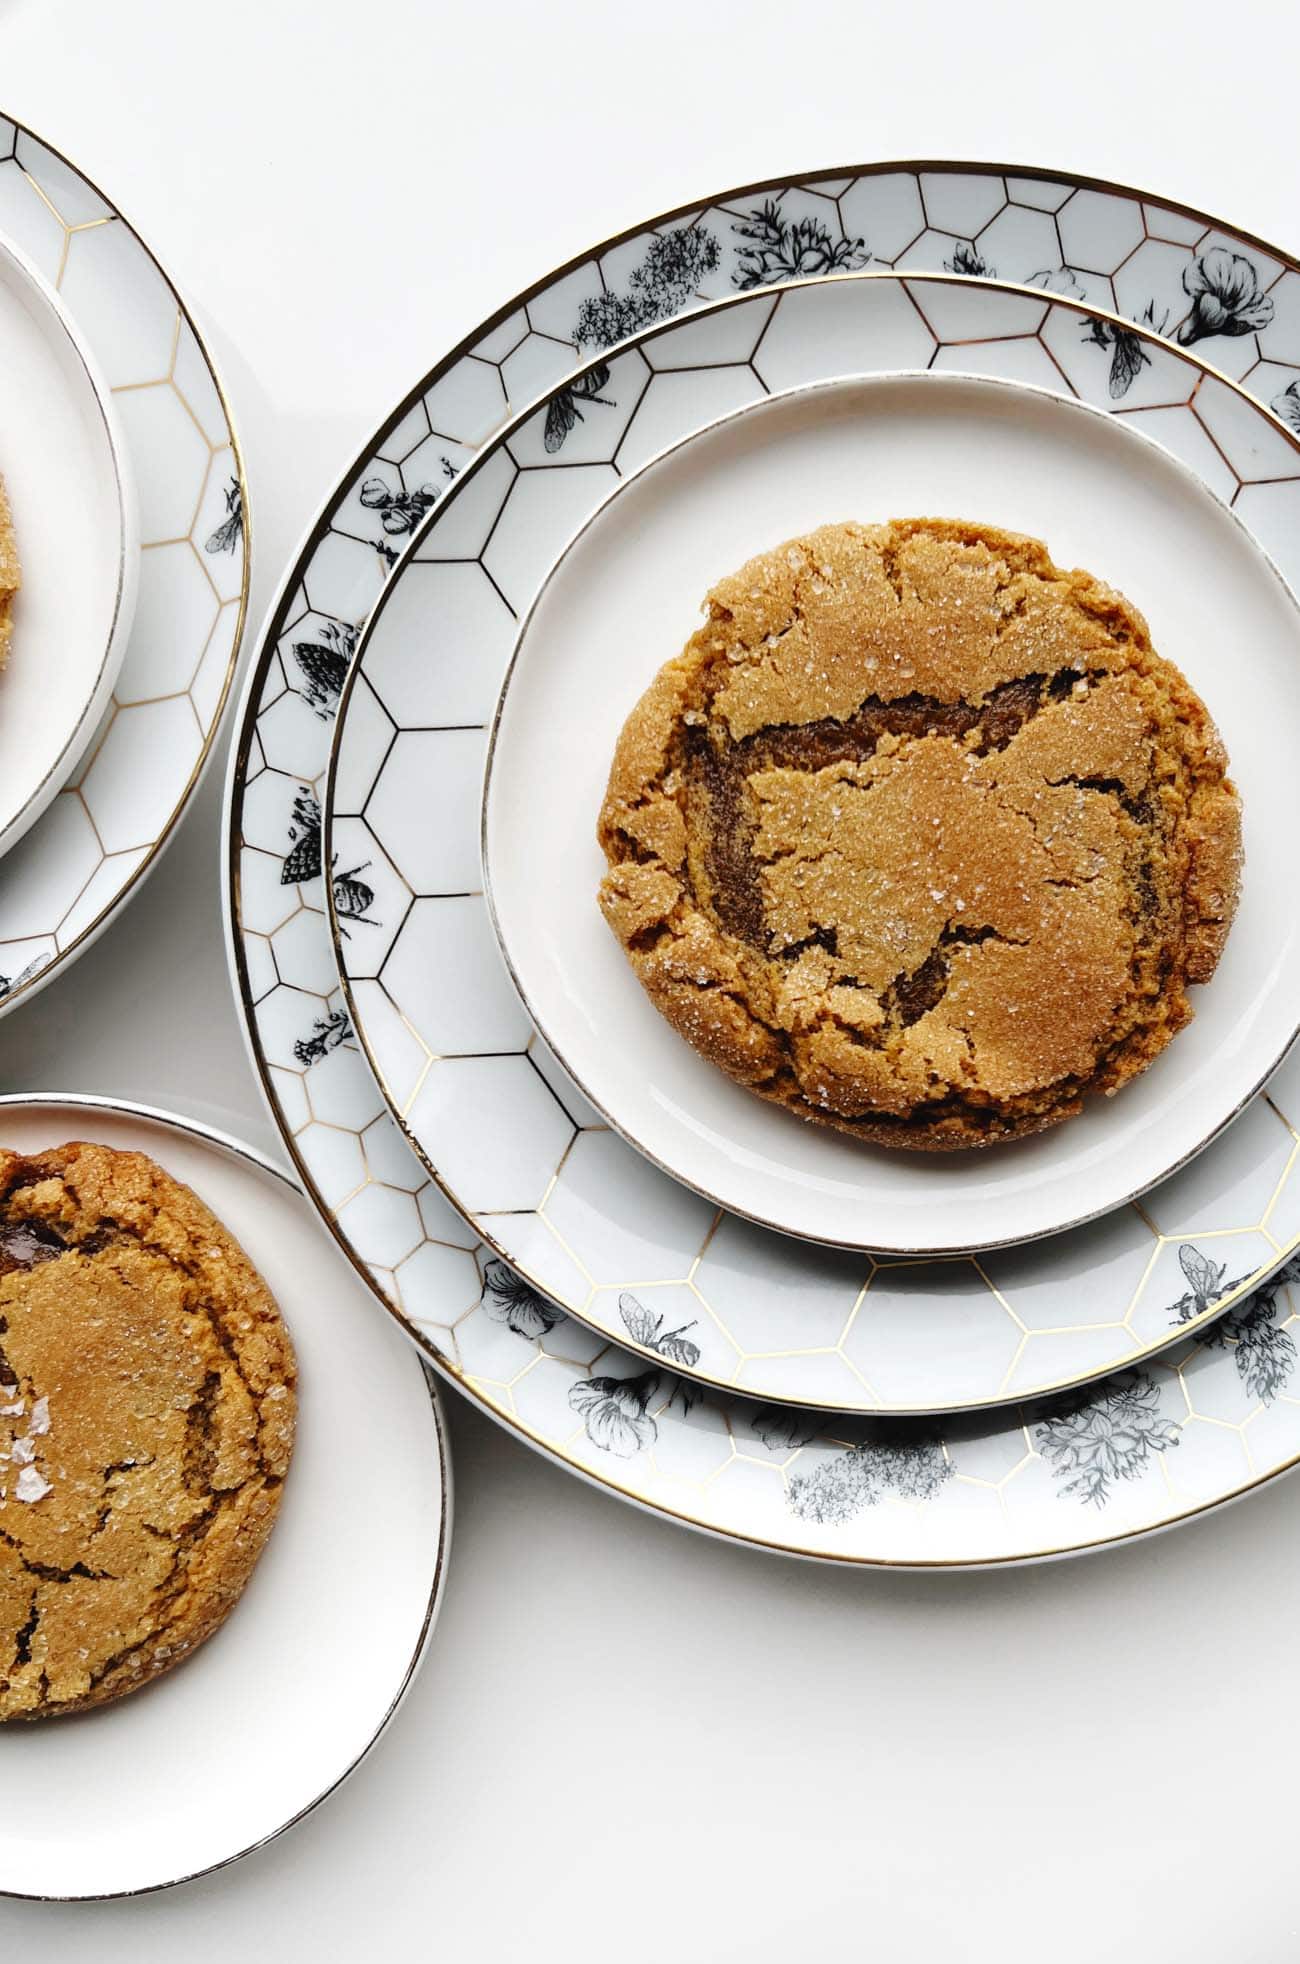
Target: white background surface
column 629, row 1742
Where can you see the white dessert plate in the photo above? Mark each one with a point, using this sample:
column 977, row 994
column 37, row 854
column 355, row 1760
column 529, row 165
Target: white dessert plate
column 626, row 595
column 115, row 806
column 72, row 495
column 1196, row 1427
column 267, row 1718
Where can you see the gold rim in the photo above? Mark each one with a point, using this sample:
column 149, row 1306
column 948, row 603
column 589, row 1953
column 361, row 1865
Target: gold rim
column 321, row 526
column 64, row 956
column 235, row 1148
column 490, row 449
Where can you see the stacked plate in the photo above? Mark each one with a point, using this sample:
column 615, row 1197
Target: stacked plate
column 124, row 514
column 127, row 496
column 760, row 1328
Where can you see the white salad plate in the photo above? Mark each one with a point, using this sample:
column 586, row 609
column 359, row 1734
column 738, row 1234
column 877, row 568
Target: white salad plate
column 72, row 496
column 115, row 809
column 272, row 1713
column 625, row 595
column 503, row 1128
column 619, row 1414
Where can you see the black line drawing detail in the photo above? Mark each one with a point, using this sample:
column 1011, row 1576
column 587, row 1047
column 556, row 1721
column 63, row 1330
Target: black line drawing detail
column 648, row 1330
column 1224, row 289
column 324, row 664
column 303, row 860
column 509, row 1300
column 327, row 1033
column 780, row 248
column 968, row 259
column 839, row 1487
column 1108, row 1436
column 231, row 529
column 615, row 1412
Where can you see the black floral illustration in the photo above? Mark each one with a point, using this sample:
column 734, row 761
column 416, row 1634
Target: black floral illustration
column 1128, row 356
column 1226, row 297
column 781, row 1430
column 1058, row 279
column 327, row 1033
column 1263, row 1352
column 1287, row 406
column 324, row 664
column 616, row 1413
column 648, row 1330
column 303, row 859
column 671, row 271
column 1109, row 1435
column 840, row 1487
column 968, row 259
column 674, row 265
column 1205, row 1284
column 780, row 248
column 509, row 1300
column 231, row 529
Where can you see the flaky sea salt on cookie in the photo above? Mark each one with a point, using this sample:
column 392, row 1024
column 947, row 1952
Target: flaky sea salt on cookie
column 146, row 1422
column 919, row 836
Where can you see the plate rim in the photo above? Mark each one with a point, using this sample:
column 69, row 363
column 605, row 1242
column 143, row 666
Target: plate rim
column 24, row 991
column 317, row 528
column 732, row 419
column 233, row 1147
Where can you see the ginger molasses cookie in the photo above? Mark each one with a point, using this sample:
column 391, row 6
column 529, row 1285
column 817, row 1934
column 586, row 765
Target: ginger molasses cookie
column 10, row 576
column 146, row 1423
column 919, row 836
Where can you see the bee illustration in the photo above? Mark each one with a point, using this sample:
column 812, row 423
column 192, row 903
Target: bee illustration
column 563, row 413
column 1128, row 357
column 9, row 983
column 327, row 1033
column 324, row 664
column 228, row 533
column 1205, row 1280
column 353, row 898
column 399, row 511
column 648, row 1330
column 303, row 859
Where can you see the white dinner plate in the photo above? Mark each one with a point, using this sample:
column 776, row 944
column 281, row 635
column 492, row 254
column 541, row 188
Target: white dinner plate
column 115, row 811
column 280, row 1705
column 72, row 495
column 506, row 1132
column 626, row 595
column 600, row 1406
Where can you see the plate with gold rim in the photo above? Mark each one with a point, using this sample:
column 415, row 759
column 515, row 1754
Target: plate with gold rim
column 550, row 1379
column 362, row 1538
column 104, row 829
column 610, row 1235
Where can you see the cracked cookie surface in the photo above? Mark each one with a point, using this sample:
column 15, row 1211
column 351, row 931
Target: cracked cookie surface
column 147, row 1415
column 919, row 836
column 10, row 575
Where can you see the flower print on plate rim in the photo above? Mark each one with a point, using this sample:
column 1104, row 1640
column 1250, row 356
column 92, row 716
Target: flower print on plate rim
column 1086, row 238
column 567, row 1200
column 88, row 852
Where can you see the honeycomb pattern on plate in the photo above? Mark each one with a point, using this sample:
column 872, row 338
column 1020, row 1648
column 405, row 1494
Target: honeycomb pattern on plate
column 64, row 880
column 423, row 1261
column 448, row 1037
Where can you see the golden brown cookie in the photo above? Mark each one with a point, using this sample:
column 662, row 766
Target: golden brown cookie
column 919, row 836
column 10, row 576
column 146, row 1422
